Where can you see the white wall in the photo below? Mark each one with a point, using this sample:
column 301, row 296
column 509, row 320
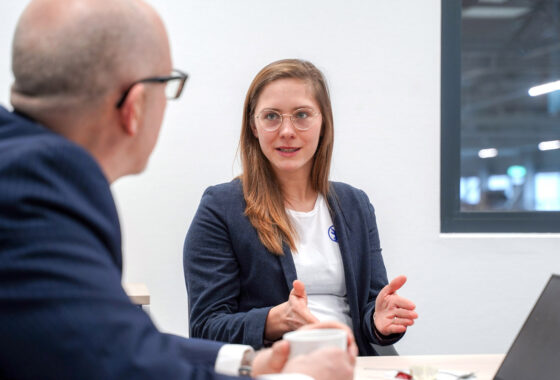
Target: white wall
column 382, row 61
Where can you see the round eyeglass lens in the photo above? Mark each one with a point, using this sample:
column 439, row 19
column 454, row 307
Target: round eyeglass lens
column 303, row 118
column 270, row 120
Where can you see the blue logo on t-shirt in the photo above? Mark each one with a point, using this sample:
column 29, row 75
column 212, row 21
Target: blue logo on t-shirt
column 332, row 234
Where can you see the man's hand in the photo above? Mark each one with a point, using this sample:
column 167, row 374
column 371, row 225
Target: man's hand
column 393, row 313
column 271, row 360
column 290, row 315
column 275, row 359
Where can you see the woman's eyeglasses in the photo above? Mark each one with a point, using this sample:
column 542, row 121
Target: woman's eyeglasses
column 302, row 119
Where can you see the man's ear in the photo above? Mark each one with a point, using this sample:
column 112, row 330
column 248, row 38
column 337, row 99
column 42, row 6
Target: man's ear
column 131, row 110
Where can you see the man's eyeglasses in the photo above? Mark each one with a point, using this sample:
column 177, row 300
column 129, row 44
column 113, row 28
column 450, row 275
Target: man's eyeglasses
column 302, row 119
column 174, row 84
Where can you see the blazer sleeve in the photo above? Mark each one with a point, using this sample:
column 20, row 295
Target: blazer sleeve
column 64, row 312
column 378, row 278
column 212, row 276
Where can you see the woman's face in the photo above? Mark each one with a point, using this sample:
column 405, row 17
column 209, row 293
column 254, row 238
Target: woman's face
column 289, row 150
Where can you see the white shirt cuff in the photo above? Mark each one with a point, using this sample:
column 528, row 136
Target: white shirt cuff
column 285, row 376
column 229, row 360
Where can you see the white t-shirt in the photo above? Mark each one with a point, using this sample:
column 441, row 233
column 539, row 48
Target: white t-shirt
column 319, row 263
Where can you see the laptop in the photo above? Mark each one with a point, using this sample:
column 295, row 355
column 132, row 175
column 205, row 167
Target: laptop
column 535, row 352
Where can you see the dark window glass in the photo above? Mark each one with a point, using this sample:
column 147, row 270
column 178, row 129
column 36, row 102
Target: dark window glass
column 500, row 126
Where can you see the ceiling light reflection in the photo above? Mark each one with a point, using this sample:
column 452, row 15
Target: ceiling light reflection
column 544, row 88
column 488, row 153
column 549, row 145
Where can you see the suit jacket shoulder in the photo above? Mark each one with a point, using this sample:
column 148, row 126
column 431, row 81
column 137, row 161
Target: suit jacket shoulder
column 50, row 184
column 224, row 201
column 63, row 306
column 226, row 193
column 347, row 194
column 352, row 204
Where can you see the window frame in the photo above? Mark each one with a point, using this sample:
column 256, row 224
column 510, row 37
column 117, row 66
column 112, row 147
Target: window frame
column 453, row 220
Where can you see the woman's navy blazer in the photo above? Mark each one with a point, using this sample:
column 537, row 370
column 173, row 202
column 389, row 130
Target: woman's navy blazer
column 233, row 280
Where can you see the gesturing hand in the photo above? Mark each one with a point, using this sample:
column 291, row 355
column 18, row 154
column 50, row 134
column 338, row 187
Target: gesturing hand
column 393, row 313
column 290, row 315
column 298, row 313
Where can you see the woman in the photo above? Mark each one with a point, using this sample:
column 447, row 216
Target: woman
column 281, row 246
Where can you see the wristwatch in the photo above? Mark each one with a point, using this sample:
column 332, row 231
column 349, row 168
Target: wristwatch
column 246, row 363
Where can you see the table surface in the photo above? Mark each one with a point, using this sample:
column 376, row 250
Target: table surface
column 380, row 367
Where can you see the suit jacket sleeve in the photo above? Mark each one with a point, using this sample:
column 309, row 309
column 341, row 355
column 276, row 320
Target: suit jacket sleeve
column 213, row 278
column 64, row 312
column 378, row 278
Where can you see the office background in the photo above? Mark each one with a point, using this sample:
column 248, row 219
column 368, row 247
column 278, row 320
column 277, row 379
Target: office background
column 382, row 62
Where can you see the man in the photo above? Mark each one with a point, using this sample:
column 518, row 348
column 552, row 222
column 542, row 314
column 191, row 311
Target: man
column 89, row 96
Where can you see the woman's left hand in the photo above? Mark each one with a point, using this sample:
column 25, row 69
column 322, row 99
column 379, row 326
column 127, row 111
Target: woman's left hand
column 393, row 313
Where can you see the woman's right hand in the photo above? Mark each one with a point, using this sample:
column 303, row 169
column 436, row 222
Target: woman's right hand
column 290, row 315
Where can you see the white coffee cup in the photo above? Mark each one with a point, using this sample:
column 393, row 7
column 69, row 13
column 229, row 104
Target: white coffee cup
column 305, row 341
column 423, row 372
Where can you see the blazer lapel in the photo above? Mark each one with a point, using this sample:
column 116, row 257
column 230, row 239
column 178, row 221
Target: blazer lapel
column 344, row 243
column 288, row 266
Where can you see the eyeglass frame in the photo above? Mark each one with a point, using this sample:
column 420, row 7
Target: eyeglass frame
column 315, row 113
column 158, row 79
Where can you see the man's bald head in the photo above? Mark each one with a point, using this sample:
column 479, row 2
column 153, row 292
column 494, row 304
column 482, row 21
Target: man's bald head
column 69, row 54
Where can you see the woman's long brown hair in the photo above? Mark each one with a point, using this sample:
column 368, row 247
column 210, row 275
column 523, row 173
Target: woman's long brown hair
column 263, row 194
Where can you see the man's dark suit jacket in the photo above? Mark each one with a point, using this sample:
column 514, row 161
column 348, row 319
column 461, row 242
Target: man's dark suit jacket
column 63, row 312
column 233, row 280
